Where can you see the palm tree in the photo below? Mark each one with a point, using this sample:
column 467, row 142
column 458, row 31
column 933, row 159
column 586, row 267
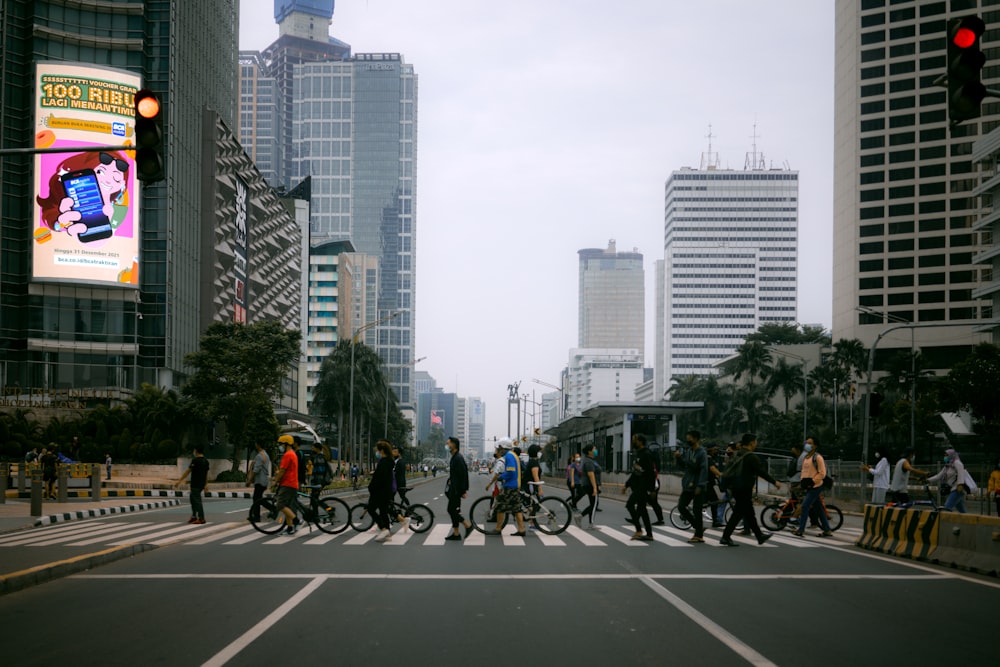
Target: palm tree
column 787, row 379
column 753, row 360
column 851, row 357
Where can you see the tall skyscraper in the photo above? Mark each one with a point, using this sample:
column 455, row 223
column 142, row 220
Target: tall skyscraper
column 73, row 335
column 905, row 218
column 730, row 261
column 612, row 299
column 349, row 123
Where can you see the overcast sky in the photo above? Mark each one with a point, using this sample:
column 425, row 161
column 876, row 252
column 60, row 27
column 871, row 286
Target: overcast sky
column 548, row 126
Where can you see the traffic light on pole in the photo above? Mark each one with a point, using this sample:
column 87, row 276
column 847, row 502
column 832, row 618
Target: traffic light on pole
column 965, row 61
column 148, row 137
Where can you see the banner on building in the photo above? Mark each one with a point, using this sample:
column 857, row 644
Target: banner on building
column 85, row 224
column 437, row 418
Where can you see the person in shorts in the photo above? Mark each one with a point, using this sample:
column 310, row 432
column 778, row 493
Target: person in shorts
column 286, row 481
column 509, row 499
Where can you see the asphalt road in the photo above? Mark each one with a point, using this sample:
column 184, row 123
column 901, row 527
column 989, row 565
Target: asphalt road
column 222, row 594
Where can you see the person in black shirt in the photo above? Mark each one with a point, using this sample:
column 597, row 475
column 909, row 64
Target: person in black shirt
column 455, row 489
column 641, row 482
column 380, row 490
column 752, row 468
column 533, row 472
column 198, row 469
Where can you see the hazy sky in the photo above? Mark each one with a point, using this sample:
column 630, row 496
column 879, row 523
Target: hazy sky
column 547, row 126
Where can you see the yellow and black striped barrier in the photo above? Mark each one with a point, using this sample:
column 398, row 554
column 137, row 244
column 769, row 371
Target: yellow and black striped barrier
column 909, row 533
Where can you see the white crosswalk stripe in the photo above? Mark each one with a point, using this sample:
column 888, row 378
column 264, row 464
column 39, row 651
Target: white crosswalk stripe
column 112, row 533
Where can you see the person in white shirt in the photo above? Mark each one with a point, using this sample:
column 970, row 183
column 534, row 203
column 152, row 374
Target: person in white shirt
column 880, row 478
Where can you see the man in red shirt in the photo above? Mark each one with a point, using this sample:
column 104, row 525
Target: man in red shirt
column 286, row 481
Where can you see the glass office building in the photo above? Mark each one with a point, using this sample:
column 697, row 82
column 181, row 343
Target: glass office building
column 66, row 336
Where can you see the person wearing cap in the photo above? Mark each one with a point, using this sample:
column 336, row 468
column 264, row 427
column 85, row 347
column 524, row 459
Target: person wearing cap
column 198, row 469
column 286, row 481
column 509, row 499
column 901, row 477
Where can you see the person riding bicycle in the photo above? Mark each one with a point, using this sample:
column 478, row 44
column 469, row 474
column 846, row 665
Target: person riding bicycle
column 354, row 476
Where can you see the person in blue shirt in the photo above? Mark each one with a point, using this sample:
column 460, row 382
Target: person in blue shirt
column 509, row 499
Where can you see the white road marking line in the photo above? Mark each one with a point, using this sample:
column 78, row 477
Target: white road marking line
column 584, row 537
column 677, row 534
column 548, row 540
column 117, row 532
column 181, row 535
column 399, row 538
column 437, row 535
column 249, row 537
column 159, row 535
column 510, row 540
column 237, row 529
column 540, row 577
column 103, row 532
column 248, row 637
column 475, row 539
column 708, row 625
column 619, row 536
column 362, row 538
column 322, row 538
column 44, row 533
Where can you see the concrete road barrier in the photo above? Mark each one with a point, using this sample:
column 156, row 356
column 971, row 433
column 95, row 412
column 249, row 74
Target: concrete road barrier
column 909, row 533
column 969, row 542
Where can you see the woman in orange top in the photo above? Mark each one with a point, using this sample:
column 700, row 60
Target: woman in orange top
column 813, row 474
column 994, row 485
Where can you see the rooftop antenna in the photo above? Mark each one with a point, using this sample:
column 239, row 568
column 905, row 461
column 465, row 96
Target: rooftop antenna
column 709, row 160
column 751, row 163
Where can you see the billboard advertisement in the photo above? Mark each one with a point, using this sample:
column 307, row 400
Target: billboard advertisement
column 85, row 226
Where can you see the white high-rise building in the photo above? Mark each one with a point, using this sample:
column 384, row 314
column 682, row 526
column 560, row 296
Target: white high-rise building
column 907, row 231
column 730, row 263
column 601, row 376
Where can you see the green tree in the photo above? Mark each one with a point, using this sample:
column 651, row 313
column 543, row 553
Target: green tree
column 786, row 379
column 974, row 385
column 238, row 372
column 788, row 333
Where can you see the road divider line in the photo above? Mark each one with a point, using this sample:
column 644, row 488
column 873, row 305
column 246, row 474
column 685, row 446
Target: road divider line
column 533, row 577
column 708, row 625
column 248, row 637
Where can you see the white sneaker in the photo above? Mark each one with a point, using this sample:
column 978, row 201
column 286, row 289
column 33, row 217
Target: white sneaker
column 404, row 524
column 576, row 518
column 382, row 536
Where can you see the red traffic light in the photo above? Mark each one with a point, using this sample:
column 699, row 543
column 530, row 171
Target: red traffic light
column 964, row 38
column 146, row 104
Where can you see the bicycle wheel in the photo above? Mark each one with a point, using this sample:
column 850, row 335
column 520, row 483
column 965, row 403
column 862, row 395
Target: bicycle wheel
column 421, row 517
column 726, row 513
column 269, row 521
column 482, row 516
column 552, row 515
column 332, row 515
column 679, row 521
column 771, row 517
column 360, row 518
column 834, row 517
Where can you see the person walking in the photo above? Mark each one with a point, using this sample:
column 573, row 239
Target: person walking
column 198, row 469
column 813, row 474
column 573, row 472
column 591, row 483
column 653, row 499
column 640, row 483
column 898, row 487
column 533, row 472
column 993, row 485
column 258, row 475
column 749, row 467
column 455, row 489
column 107, row 464
column 509, row 499
column 694, row 462
column 49, row 461
column 953, row 476
column 380, row 490
column 880, row 478
column 286, row 482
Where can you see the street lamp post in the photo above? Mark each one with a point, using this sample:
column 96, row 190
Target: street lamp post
column 388, row 389
column 562, row 397
column 354, row 340
column 805, row 389
column 913, row 367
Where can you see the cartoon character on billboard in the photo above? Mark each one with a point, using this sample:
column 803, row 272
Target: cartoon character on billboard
column 88, row 197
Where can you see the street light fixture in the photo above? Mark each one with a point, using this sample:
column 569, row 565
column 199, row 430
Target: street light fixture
column 913, row 367
column 805, row 388
column 562, row 396
column 354, row 340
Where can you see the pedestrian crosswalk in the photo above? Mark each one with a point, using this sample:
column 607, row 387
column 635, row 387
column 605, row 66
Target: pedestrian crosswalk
column 116, row 533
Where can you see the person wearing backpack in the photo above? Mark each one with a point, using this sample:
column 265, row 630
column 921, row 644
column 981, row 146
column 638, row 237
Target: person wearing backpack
column 740, row 477
column 813, row 474
column 694, row 462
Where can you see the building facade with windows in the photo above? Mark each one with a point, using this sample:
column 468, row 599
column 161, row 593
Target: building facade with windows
column 74, row 336
column 730, row 264
column 612, row 299
column 906, row 218
column 597, row 375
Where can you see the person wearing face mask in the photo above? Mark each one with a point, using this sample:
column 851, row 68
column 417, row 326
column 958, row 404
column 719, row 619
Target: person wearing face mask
column 901, row 477
column 573, row 473
column 455, row 489
column 880, row 478
column 813, row 474
column 952, row 476
column 591, row 486
column 380, row 489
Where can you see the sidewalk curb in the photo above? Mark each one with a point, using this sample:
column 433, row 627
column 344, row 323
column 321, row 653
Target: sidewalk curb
column 40, row 574
column 103, row 511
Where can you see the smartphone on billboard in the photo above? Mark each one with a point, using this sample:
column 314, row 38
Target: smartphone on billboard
column 82, row 187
